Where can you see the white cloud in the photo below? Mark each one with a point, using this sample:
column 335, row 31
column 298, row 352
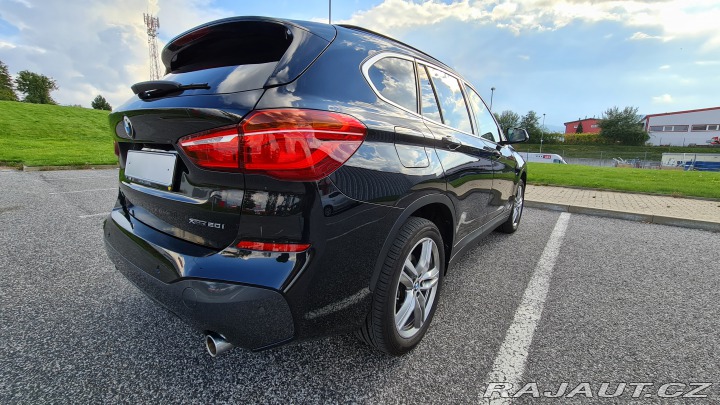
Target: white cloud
column 503, row 11
column 524, row 57
column 91, row 47
column 671, row 18
column 88, row 47
column 639, row 36
column 664, row 67
column 392, row 14
column 663, row 99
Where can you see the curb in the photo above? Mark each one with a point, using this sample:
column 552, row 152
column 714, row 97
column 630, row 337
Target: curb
column 628, row 216
column 609, row 190
column 72, row 167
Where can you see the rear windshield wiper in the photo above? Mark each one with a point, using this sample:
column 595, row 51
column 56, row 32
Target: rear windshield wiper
column 159, row 88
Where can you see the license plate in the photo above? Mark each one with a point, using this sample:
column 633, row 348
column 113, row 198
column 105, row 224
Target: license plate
column 150, row 167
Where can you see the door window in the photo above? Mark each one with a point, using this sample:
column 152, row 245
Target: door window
column 487, row 128
column 452, row 103
column 428, row 101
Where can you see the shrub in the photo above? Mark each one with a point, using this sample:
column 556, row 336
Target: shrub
column 553, row 138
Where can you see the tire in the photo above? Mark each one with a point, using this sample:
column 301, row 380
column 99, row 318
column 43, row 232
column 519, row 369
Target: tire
column 406, row 296
column 513, row 222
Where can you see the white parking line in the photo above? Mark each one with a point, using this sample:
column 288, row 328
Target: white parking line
column 80, row 177
column 93, row 215
column 84, row 191
column 510, row 361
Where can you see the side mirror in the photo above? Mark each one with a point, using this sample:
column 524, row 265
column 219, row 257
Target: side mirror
column 516, row 135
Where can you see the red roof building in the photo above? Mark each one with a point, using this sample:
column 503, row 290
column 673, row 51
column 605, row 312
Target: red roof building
column 589, row 126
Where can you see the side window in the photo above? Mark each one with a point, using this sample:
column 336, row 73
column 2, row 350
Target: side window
column 452, row 103
column 428, row 102
column 394, row 79
column 486, row 125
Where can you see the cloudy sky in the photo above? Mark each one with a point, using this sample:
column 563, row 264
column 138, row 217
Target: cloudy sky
column 564, row 58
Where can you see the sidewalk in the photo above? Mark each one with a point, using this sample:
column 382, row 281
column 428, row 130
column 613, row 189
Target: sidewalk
column 684, row 212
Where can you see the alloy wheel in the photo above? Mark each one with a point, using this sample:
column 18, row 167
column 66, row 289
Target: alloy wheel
column 518, row 207
column 417, row 288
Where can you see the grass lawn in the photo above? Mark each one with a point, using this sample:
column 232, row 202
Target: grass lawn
column 668, row 182
column 613, row 151
column 40, row 135
column 50, row 135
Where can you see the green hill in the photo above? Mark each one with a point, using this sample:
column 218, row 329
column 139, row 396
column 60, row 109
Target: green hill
column 52, row 135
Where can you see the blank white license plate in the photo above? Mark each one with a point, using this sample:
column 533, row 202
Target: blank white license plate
column 153, row 167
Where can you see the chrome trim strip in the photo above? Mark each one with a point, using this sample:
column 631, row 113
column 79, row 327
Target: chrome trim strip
column 365, row 67
column 163, row 194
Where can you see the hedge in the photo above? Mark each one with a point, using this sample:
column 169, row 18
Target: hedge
column 586, row 139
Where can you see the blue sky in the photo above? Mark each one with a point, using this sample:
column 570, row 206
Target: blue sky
column 567, row 59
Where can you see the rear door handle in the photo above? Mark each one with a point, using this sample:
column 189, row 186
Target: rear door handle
column 451, row 142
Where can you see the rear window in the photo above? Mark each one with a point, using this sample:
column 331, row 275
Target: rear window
column 226, row 79
column 230, row 58
column 394, row 79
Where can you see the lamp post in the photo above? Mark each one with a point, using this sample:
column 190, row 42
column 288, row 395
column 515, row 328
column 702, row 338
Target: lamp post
column 542, row 133
column 492, row 92
column 329, row 11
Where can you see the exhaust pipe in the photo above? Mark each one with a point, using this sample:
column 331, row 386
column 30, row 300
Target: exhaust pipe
column 216, row 344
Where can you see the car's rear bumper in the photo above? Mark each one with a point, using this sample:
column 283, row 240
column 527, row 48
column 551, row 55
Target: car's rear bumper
column 251, row 317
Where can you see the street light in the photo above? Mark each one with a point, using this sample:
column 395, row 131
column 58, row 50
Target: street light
column 542, row 133
column 492, row 92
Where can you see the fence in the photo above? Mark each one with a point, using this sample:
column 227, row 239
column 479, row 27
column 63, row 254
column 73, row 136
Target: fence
column 644, row 160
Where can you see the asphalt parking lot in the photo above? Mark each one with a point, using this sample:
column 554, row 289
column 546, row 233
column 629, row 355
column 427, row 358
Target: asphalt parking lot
column 624, row 303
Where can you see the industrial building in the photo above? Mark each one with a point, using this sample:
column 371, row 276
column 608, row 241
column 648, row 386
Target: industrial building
column 684, row 128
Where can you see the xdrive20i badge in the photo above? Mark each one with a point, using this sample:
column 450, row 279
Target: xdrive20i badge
column 200, row 222
column 128, row 126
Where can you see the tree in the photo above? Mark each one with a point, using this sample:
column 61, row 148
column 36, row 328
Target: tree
column 7, row 90
column 531, row 122
column 99, row 103
column 36, row 87
column 580, row 128
column 623, row 126
column 507, row 119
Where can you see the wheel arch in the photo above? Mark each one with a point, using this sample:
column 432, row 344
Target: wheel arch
column 436, row 208
column 523, row 177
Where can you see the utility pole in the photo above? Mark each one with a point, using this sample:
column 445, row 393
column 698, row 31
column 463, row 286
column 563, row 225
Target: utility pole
column 153, row 23
column 492, row 92
column 542, row 133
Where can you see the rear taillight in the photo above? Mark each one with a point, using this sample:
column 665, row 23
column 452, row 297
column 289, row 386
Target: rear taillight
column 273, row 247
column 215, row 150
column 287, row 144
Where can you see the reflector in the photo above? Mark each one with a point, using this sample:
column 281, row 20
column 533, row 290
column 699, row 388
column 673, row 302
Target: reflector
column 273, row 247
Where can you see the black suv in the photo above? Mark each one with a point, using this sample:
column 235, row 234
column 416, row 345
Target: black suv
column 290, row 179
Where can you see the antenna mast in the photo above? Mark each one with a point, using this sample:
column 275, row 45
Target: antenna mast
column 153, row 23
